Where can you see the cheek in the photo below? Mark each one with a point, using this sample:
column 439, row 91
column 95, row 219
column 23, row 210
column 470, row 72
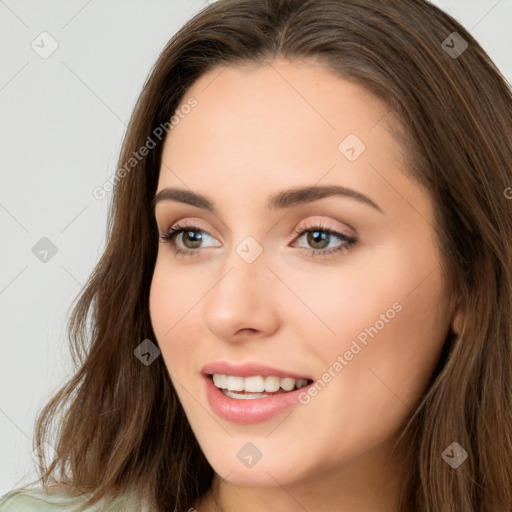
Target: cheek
column 392, row 292
column 381, row 336
column 171, row 299
column 169, row 302
column 159, row 299
column 388, row 353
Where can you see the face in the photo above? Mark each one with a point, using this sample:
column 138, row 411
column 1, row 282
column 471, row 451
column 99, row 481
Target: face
column 338, row 286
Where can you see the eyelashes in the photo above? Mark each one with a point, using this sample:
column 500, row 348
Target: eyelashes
column 177, row 230
column 316, row 233
column 315, row 230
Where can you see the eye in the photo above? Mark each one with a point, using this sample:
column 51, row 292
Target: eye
column 191, row 237
column 320, row 238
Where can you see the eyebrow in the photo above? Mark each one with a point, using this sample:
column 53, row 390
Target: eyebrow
column 279, row 200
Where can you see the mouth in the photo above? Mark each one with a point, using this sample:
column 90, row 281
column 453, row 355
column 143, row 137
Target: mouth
column 257, row 386
column 251, row 399
column 252, row 392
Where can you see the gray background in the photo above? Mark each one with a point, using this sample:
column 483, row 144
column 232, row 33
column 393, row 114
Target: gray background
column 63, row 119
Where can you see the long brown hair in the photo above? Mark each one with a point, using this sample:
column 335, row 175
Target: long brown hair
column 121, row 427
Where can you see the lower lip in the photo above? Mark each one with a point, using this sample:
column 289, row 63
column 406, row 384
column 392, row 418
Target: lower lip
column 251, row 410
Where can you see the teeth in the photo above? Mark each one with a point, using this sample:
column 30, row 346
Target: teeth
column 254, row 384
column 239, row 396
column 234, row 383
column 221, row 381
column 301, row 383
column 287, row 383
column 257, row 384
column 272, row 384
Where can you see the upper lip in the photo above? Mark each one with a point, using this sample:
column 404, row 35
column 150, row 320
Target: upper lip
column 249, row 369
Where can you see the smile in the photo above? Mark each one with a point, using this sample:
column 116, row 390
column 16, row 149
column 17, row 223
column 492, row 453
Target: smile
column 245, row 407
column 254, row 387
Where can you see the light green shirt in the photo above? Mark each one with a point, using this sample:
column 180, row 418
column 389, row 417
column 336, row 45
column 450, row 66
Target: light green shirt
column 37, row 500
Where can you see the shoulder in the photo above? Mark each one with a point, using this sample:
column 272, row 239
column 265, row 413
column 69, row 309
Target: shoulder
column 56, row 500
column 26, row 500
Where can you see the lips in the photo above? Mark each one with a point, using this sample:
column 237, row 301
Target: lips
column 250, row 369
column 262, row 406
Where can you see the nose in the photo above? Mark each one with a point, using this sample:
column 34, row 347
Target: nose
column 242, row 303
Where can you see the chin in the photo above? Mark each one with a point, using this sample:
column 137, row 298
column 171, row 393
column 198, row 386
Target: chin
column 278, row 467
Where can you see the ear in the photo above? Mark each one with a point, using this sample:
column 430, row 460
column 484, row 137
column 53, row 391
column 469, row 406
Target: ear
column 457, row 323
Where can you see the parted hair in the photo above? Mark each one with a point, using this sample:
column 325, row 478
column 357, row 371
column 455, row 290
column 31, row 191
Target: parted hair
column 117, row 426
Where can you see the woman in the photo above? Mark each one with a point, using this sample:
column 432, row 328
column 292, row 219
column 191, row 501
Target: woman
column 305, row 299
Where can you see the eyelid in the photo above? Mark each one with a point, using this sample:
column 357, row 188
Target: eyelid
column 326, row 225
column 192, row 222
column 309, row 225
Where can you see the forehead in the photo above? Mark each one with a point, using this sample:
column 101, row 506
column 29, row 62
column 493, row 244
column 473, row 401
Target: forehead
column 260, row 127
column 288, row 97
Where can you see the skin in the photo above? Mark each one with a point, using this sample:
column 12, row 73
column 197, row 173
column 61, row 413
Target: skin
column 257, row 130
